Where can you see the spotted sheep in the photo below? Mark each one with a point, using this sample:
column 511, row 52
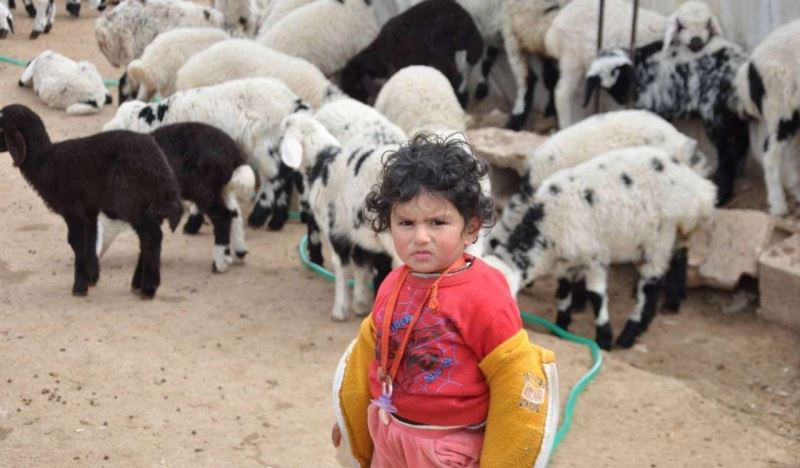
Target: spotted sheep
column 6, row 21
column 690, row 74
column 627, row 205
column 768, row 85
column 250, row 111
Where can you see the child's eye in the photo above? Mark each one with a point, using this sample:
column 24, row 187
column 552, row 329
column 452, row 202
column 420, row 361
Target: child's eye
column 405, row 223
column 438, row 222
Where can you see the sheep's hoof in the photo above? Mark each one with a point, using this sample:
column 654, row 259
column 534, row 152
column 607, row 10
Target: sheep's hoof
column 338, row 317
column 241, row 254
column 603, row 336
column 3, row 34
column 671, row 306
column 278, row 220
column 80, row 291
column 219, row 268
column 148, row 292
column 48, row 28
column 482, row 91
column 35, row 34
column 317, row 258
column 74, row 9
column 629, row 333
column 31, row 10
column 12, row 5
column 258, row 216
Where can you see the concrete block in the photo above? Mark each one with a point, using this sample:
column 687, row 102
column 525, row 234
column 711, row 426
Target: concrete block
column 728, row 246
column 505, row 148
column 779, row 282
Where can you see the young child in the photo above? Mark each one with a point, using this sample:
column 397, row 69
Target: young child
column 442, row 372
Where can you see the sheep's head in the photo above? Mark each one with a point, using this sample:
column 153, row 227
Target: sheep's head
column 126, row 117
column 692, row 25
column 613, row 71
column 359, row 75
column 13, row 119
column 6, row 22
column 302, row 138
column 127, row 88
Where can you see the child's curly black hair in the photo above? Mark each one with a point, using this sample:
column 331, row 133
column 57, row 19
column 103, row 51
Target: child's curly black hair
column 429, row 163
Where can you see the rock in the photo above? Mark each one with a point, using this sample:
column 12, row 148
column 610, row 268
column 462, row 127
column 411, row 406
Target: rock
column 779, row 282
column 728, row 246
column 505, row 148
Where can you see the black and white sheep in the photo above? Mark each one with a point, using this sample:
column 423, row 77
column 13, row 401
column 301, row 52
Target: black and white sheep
column 123, row 33
column 241, row 58
column 65, row 84
column 677, row 82
column 122, row 174
column 327, row 33
column 6, row 21
column 156, row 70
column 628, row 205
column 429, row 33
column 769, row 87
column 250, row 111
column 212, row 174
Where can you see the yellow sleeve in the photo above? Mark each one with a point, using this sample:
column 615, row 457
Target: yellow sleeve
column 351, row 389
column 523, row 404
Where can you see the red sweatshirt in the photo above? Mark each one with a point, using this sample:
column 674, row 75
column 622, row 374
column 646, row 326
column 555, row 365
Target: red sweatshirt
column 439, row 382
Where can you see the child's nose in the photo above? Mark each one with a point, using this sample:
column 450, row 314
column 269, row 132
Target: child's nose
column 421, row 235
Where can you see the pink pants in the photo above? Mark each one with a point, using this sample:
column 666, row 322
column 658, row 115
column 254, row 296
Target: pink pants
column 399, row 445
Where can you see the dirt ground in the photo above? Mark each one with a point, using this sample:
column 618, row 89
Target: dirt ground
column 235, row 369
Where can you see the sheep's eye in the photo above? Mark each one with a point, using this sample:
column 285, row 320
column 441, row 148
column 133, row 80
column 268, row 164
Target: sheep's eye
column 679, row 26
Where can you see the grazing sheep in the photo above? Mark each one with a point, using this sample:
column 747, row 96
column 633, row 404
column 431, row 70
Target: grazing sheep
column 429, row 33
column 681, row 83
column 64, row 84
column 250, row 111
column 627, row 205
column 327, row 33
column 121, row 173
column 692, row 25
column 155, row 71
column 242, row 58
column 6, row 21
column 278, row 10
column 211, row 173
column 123, row 33
column 769, row 87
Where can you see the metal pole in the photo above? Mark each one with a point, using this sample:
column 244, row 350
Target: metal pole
column 633, row 47
column 600, row 17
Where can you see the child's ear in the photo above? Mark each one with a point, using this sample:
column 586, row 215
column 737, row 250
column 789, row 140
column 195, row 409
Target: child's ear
column 472, row 229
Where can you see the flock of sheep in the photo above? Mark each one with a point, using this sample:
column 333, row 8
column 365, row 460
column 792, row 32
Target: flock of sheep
column 247, row 101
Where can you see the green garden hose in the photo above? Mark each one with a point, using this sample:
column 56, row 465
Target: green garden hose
column 569, row 409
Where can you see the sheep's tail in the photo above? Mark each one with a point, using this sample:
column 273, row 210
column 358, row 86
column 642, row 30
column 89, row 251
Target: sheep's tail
column 172, row 210
column 750, row 89
column 242, row 183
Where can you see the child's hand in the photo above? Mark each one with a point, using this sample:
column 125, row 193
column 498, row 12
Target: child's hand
column 336, row 435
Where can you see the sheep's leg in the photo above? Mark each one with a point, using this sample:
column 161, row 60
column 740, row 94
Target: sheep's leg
column 550, row 76
column 51, row 15
column 731, row 141
column 340, row 258
column 563, row 302
column 74, row 7
column 29, row 8
column 90, row 245
column 221, row 220
column 314, row 240
column 76, row 236
column 675, row 281
column 362, row 296
column 194, row 221
column 486, row 67
column 238, row 243
column 136, row 283
column 568, row 85
column 773, row 160
column 793, row 177
column 596, row 286
column 149, row 232
column 40, row 15
column 262, row 208
column 282, row 188
column 524, row 78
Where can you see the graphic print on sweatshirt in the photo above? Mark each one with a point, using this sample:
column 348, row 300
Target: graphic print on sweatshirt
column 430, row 357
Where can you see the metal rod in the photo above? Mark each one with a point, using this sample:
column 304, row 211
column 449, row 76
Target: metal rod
column 600, row 18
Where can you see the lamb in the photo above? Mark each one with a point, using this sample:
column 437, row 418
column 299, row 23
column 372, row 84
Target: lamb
column 420, row 98
column 121, row 173
column 6, row 21
column 64, row 84
column 155, row 71
column 327, row 33
column 337, row 181
column 249, row 110
column 769, row 88
column 278, row 10
column 692, row 25
column 123, row 33
column 211, row 173
column 241, row 58
column 627, row 205
column 681, row 83
column 429, row 33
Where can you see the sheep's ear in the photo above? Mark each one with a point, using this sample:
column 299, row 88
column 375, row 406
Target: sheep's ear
column 15, row 144
column 669, row 34
column 592, row 83
column 291, row 152
column 713, row 27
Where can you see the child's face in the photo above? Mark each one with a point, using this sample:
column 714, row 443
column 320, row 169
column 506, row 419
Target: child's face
column 429, row 233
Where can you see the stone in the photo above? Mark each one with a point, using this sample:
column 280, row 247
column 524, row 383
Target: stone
column 779, row 283
column 505, row 148
column 727, row 246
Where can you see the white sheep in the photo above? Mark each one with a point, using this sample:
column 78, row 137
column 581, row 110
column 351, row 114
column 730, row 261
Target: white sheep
column 156, row 69
column 583, row 141
column 242, row 58
column 278, row 10
column 692, row 25
column 421, row 98
column 627, row 205
column 572, row 39
column 242, row 17
column 327, row 33
column 6, row 21
column 63, row 83
column 769, row 87
column 249, row 110
column 123, row 33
